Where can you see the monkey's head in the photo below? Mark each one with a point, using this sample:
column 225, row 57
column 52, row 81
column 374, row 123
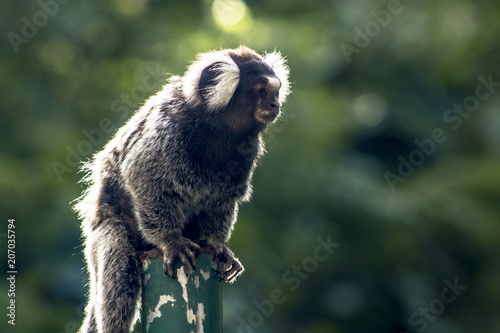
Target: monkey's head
column 242, row 88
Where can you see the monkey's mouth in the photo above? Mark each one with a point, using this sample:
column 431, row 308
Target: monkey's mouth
column 266, row 116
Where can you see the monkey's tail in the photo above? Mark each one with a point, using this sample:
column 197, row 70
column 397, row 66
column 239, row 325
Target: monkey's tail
column 115, row 278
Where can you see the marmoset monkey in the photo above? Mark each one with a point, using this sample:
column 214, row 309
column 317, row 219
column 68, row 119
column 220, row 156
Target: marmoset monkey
column 171, row 179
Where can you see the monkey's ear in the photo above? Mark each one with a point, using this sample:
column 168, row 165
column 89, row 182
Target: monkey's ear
column 278, row 64
column 212, row 79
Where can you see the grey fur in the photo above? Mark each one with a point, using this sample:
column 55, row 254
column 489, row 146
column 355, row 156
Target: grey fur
column 173, row 176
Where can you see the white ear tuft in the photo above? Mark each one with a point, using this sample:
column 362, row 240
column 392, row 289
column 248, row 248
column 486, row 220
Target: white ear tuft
column 219, row 92
column 278, row 64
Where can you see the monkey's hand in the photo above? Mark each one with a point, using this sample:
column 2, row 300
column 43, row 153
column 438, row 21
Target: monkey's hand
column 227, row 265
column 181, row 249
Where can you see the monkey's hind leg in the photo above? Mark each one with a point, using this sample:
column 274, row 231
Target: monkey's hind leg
column 116, row 281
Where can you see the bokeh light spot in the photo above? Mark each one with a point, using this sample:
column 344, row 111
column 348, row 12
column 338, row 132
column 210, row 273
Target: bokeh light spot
column 370, row 109
column 130, row 7
column 229, row 14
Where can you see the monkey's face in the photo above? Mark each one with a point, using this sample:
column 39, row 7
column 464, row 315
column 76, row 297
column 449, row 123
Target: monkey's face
column 255, row 104
column 266, row 92
column 238, row 89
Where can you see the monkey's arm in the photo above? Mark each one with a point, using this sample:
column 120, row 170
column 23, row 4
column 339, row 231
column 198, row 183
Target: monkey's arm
column 148, row 163
column 160, row 220
column 217, row 225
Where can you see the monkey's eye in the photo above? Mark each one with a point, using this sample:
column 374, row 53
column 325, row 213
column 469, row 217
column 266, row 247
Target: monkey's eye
column 262, row 92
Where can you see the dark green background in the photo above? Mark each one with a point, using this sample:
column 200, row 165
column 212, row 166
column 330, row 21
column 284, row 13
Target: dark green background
column 348, row 122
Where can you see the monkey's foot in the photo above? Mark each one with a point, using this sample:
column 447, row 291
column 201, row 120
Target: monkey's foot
column 151, row 254
column 181, row 249
column 227, row 265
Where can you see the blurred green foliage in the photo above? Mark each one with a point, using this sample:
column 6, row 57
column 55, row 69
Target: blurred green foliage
column 353, row 159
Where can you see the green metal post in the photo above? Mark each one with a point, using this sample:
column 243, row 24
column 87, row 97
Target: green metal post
column 181, row 305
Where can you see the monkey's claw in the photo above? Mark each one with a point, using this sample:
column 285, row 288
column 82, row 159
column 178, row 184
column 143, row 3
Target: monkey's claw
column 228, row 266
column 182, row 249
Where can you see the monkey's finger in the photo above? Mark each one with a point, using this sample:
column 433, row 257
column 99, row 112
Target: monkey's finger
column 196, row 251
column 188, row 266
column 231, row 274
column 169, row 270
column 224, row 266
column 188, row 269
column 189, row 243
column 230, row 268
column 192, row 250
column 189, row 256
column 197, row 247
column 168, row 267
column 224, row 261
column 192, row 261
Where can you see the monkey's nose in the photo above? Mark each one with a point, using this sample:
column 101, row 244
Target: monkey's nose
column 275, row 105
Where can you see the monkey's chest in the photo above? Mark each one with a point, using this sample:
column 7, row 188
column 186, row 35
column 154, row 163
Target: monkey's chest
column 212, row 195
